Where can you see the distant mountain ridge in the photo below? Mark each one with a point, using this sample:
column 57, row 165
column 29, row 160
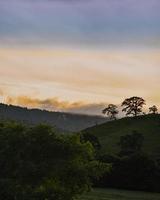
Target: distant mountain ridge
column 62, row 121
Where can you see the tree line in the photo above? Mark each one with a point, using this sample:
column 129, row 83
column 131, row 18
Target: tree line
column 131, row 168
column 38, row 164
column 131, row 106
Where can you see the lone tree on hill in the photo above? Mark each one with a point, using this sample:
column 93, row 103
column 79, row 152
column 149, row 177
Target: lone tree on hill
column 153, row 110
column 111, row 111
column 133, row 105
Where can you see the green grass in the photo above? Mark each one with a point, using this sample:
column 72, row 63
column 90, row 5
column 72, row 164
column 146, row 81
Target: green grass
column 112, row 194
column 110, row 132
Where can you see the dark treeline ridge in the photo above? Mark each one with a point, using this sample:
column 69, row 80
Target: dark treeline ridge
column 66, row 122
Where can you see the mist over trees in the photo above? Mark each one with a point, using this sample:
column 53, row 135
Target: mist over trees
column 63, row 122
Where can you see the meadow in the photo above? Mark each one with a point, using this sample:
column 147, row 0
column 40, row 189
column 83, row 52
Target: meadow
column 113, row 194
column 109, row 133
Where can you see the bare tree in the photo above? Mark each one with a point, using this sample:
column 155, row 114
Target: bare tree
column 133, row 105
column 111, row 111
column 153, row 110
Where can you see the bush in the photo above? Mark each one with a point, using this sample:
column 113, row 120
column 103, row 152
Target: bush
column 35, row 163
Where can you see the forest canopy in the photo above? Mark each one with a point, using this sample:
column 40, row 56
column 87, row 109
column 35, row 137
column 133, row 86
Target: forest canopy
column 36, row 163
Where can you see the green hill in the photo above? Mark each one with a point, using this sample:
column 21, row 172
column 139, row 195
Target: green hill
column 109, row 133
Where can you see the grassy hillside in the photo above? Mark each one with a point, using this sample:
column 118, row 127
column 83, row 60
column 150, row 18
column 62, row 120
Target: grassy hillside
column 62, row 121
column 110, row 132
column 110, row 194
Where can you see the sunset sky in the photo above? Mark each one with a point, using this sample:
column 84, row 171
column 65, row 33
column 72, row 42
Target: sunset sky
column 79, row 55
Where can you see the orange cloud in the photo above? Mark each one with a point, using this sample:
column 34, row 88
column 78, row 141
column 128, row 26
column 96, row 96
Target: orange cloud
column 84, row 74
column 1, row 92
column 54, row 104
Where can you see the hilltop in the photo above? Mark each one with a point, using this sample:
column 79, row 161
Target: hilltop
column 61, row 121
column 109, row 133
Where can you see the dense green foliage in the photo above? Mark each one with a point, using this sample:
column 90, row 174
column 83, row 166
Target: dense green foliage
column 36, row 164
column 133, row 167
column 131, row 144
column 110, row 194
column 85, row 137
column 134, row 172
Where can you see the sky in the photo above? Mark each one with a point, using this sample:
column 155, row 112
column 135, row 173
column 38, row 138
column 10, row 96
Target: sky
column 79, row 55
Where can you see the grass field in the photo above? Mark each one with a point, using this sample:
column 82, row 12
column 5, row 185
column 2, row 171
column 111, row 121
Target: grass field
column 112, row 194
column 109, row 133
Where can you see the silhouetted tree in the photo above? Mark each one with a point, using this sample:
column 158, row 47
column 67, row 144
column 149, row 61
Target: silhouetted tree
column 111, row 111
column 89, row 137
column 133, row 105
column 153, row 110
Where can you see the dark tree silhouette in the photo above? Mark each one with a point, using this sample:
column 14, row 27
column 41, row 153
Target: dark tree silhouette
column 133, row 105
column 153, row 110
column 111, row 111
column 85, row 137
column 131, row 143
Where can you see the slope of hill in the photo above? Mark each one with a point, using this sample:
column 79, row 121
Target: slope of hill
column 62, row 121
column 109, row 133
column 113, row 194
